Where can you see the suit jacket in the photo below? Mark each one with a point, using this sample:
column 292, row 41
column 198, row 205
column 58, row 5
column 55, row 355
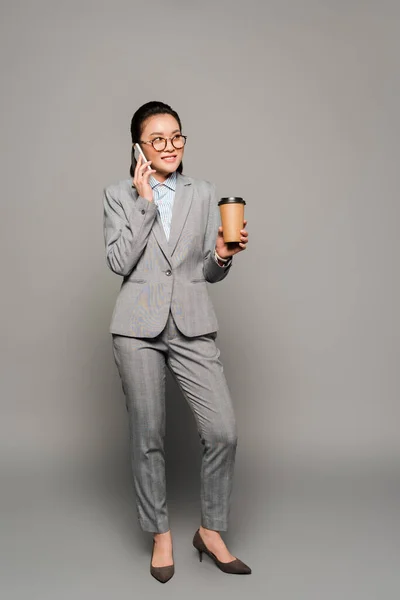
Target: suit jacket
column 160, row 275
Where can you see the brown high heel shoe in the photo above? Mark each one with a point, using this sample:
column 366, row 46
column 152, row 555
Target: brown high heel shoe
column 162, row 574
column 236, row 567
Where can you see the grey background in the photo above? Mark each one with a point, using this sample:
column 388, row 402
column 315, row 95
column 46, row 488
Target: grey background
column 294, row 106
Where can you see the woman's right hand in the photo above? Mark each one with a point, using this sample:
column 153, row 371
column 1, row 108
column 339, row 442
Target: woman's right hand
column 141, row 179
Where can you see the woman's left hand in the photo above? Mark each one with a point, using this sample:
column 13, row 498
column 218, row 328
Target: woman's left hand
column 225, row 250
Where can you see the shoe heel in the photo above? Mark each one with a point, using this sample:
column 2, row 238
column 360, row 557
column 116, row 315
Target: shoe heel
column 201, row 555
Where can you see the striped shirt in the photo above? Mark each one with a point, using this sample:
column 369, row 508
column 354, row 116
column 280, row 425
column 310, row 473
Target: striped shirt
column 164, row 194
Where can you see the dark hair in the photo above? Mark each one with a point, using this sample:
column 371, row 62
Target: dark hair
column 144, row 112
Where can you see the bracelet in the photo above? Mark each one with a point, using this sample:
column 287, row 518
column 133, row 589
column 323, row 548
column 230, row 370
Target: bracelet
column 217, row 256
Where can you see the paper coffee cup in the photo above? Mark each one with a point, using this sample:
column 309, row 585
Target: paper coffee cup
column 232, row 217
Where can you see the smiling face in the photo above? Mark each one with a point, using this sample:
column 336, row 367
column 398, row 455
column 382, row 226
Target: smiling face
column 167, row 161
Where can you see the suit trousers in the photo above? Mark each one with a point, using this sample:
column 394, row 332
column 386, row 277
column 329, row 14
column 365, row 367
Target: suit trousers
column 194, row 362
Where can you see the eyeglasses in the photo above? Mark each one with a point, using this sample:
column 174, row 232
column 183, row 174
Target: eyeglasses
column 160, row 143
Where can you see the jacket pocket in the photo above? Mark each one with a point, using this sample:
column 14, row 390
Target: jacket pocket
column 198, row 280
column 136, row 281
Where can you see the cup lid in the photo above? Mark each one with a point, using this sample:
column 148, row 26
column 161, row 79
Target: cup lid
column 231, row 200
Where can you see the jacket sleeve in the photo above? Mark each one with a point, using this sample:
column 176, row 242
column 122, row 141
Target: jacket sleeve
column 125, row 235
column 211, row 269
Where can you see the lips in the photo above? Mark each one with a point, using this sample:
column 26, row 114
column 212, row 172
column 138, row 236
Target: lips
column 169, row 158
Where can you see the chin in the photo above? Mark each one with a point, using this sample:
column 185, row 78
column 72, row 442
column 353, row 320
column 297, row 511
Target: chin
column 168, row 169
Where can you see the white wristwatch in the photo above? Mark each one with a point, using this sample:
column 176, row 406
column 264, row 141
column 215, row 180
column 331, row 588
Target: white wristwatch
column 217, row 257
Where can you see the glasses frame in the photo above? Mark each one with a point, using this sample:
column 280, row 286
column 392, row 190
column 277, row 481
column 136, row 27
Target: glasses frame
column 166, row 141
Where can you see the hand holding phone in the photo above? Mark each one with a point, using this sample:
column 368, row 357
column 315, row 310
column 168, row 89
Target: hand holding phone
column 141, row 175
column 140, row 151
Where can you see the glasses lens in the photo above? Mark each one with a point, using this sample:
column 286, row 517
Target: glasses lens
column 178, row 141
column 159, row 144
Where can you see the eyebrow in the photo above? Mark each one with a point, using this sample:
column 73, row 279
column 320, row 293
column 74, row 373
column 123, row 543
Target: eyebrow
column 162, row 133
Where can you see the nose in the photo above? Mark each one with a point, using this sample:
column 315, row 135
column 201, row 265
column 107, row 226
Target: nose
column 169, row 147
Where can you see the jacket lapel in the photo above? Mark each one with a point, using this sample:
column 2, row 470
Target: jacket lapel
column 182, row 203
column 159, row 234
column 158, row 231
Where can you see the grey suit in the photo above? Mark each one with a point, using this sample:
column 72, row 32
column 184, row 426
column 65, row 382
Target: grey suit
column 163, row 316
column 161, row 275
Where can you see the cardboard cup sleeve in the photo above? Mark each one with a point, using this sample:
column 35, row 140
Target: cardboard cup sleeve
column 232, row 217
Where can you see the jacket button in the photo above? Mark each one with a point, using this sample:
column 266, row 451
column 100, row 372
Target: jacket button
column 168, row 272
column 142, row 211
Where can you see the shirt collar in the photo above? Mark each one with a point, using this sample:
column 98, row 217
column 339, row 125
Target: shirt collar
column 170, row 182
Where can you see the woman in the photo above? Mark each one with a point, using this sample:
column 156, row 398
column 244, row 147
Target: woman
column 162, row 235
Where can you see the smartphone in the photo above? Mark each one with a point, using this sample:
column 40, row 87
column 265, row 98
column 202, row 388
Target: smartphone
column 140, row 151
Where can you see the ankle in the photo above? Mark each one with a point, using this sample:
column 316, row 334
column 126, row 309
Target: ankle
column 159, row 537
column 209, row 532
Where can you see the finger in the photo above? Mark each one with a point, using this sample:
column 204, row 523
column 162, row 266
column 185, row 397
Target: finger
column 145, row 167
column 145, row 163
column 148, row 173
column 145, row 178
